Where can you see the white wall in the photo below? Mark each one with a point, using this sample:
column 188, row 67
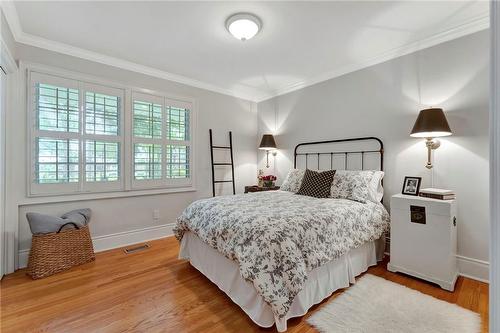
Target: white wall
column 383, row 101
column 117, row 215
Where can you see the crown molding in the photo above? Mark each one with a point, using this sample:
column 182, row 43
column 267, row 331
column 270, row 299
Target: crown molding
column 252, row 94
column 7, row 62
column 477, row 24
column 54, row 46
column 10, row 12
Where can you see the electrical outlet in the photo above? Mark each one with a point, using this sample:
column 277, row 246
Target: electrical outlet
column 156, row 214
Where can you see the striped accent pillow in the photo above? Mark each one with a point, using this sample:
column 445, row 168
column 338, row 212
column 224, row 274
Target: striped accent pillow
column 317, row 184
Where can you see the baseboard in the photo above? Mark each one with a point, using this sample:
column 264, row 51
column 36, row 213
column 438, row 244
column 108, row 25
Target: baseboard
column 120, row 239
column 473, row 268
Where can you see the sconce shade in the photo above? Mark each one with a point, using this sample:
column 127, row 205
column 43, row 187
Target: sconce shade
column 431, row 123
column 267, row 142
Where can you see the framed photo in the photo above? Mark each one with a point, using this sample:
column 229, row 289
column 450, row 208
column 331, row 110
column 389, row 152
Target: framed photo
column 411, row 185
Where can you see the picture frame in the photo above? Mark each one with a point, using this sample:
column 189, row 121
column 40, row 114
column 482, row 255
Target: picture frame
column 411, row 185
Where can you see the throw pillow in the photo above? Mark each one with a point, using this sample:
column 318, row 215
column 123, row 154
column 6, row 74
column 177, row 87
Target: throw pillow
column 317, row 184
column 293, row 180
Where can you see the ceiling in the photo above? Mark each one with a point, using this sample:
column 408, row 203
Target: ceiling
column 301, row 43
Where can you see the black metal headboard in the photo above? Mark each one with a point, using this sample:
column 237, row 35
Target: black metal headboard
column 346, row 154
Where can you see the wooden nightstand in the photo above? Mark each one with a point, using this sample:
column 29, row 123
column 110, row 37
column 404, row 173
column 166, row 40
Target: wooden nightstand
column 424, row 239
column 255, row 188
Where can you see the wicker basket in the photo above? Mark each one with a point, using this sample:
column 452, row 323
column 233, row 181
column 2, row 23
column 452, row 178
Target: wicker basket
column 59, row 251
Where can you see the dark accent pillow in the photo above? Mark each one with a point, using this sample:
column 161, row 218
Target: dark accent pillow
column 317, row 184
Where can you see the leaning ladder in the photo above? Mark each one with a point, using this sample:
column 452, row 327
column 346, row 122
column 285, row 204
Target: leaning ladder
column 230, row 147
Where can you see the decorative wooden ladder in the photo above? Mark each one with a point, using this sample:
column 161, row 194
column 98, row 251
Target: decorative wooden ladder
column 230, row 147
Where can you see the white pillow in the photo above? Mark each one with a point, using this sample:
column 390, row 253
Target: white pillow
column 293, row 180
column 358, row 185
column 376, row 186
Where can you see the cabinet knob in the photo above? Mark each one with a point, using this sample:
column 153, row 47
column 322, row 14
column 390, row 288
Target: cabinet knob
column 454, row 221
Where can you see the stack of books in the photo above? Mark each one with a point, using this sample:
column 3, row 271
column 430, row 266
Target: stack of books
column 437, row 193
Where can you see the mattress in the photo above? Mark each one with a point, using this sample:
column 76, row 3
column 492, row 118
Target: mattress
column 321, row 282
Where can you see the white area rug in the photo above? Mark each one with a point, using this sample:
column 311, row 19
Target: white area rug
column 376, row 305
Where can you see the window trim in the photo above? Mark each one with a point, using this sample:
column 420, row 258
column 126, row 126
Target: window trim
column 126, row 145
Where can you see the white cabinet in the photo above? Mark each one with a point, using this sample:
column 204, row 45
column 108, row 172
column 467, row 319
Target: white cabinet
column 424, row 239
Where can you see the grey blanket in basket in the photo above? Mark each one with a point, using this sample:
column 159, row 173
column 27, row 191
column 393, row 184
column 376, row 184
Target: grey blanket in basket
column 43, row 223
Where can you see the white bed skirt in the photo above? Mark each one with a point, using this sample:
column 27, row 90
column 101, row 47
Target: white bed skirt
column 321, row 282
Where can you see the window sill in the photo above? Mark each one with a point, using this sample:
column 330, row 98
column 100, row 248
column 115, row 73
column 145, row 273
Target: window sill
column 37, row 200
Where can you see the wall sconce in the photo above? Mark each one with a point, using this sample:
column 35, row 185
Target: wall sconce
column 267, row 143
column 431, row 123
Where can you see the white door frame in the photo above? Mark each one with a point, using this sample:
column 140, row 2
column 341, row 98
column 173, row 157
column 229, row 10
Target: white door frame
column 9, row 67
column 495, row 169
column 3, row 94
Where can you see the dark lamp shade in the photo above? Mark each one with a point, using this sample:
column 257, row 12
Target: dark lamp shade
column 267, row 142
column 431, row 123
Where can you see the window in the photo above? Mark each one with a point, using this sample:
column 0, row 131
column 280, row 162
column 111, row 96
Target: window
column 57, row 108
column 161, row 141
column 88, row 137
column 102, row 161
column 76, row 136
column 102, row 114
column 147, row 161
column 147, row 120
column 56, row 160
column 177, row 161
column 103, row 139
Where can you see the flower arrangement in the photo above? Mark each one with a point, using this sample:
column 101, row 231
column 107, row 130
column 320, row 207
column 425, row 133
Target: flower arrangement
column 268, row 181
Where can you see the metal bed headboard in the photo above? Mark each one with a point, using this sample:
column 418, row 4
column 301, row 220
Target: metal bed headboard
column 346, row 154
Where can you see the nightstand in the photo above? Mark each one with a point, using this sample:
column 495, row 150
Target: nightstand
column 424, row 239
column 255, row 188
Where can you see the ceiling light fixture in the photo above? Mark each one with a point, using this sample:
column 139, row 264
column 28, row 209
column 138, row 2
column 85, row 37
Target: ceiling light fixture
column 243, row 26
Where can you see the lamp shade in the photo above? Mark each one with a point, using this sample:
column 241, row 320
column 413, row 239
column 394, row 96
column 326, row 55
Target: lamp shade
column 431, row 123
column 267, row 142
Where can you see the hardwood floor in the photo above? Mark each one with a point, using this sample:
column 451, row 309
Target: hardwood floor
column 153, row 291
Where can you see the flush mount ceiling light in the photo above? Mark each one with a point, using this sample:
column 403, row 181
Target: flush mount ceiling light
column 243, row 26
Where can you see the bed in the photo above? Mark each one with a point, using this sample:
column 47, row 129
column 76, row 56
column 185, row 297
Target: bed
column 276, row 253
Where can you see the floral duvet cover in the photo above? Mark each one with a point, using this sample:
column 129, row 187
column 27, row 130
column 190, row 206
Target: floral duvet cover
column 277, row 237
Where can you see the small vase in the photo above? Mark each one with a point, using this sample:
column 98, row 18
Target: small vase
column 268, row 183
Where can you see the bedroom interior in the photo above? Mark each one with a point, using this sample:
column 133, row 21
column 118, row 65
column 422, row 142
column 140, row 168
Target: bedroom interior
column 249, row 166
